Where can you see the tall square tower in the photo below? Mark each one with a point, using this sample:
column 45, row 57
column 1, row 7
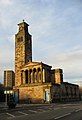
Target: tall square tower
column 23, row 50
column 58, row 76
column 9, row 78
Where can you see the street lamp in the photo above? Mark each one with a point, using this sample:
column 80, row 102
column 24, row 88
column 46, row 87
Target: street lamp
column 9, row 92
column 5, row 92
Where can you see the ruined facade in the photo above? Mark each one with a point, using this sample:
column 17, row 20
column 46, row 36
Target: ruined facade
column 37, row 82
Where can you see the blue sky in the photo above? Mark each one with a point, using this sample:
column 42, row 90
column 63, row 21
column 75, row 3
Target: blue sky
column 56, row 28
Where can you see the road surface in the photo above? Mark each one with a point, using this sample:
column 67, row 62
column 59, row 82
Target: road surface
column 72, row 111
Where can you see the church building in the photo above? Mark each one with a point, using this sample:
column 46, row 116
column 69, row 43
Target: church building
column 37, row 82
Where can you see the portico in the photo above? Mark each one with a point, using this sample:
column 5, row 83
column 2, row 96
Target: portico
column 34, row 73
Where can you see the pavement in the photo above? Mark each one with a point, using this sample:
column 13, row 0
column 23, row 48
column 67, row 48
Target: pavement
column 47, row 113
column 69, row 111
column 4, row 104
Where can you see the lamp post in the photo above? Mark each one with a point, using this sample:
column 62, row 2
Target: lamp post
column 5, row 92
column 9, row 92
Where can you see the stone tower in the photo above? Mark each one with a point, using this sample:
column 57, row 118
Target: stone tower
column 58, row 76
column 23, row 50
column 9, row 78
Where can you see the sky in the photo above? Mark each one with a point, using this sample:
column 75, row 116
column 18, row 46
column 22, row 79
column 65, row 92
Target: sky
column 56, row 29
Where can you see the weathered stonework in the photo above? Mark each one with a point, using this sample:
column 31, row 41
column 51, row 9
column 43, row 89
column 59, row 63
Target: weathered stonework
column 23, row 50
column 34, row 93
column 57, row 76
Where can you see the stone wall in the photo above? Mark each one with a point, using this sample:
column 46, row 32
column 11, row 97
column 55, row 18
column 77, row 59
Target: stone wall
column 33, row 93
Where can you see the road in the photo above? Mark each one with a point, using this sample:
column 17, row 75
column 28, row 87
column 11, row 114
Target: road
column 71, row 111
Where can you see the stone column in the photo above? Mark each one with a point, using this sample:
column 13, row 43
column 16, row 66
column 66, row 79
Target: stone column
column 28, row 76
column 32, row 76
column 24, row 77
column 37, row 76
column 41, row 75
column 44, row 75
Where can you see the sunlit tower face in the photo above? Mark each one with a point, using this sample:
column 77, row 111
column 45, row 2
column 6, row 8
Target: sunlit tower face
column 23, row 50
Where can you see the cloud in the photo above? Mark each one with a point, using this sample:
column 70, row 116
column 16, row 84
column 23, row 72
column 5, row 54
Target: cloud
column 6, row 2
column 70, row 62
column 56, row 30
